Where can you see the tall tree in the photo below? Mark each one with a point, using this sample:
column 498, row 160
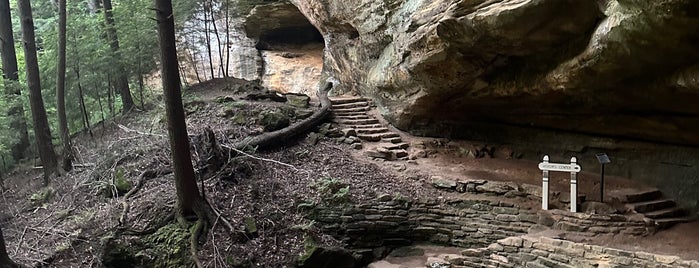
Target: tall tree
column 5, row 261
column 122, row 81
column 41, row 123
column 12, row 89
column 61, row 86
column 188, row 197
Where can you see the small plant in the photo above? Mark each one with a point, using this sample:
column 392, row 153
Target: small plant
column 333, row 191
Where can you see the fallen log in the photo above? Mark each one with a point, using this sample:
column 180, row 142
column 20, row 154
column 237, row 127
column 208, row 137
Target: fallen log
column 269, row 139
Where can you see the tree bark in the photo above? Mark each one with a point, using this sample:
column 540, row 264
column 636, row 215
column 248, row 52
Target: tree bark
column 41, row 123
column 86, row 117
column 218, row 41
column 122, row 80
column 5, row 261
column 188, row 197
column 60, row 88
column 228, row 39
column 207, row 36
column 12, row 90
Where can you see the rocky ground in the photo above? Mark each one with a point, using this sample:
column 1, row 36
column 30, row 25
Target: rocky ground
column 81, row 220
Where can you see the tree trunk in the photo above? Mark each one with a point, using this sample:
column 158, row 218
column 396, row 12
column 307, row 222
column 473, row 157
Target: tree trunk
column 188, row 197
column 12, row 89
column 207, row 36
column 140, row 82
column 94, row 6
column 41, row 123
column 60, row 88
column 5, row 261
column 122, row 80
column 228, row 39
column 110, row 100
column 83, row 110
column 218, row 41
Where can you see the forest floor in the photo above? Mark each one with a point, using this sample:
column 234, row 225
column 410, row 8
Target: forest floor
column 78, row 219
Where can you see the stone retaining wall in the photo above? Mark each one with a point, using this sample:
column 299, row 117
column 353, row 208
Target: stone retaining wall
column 462, row 223
column 527, row 251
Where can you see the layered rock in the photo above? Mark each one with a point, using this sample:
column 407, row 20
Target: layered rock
column 618, row 68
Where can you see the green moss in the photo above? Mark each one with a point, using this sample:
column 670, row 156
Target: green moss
column 121, row 183
column 168, row 247
column 309, row 246
column 42, row 196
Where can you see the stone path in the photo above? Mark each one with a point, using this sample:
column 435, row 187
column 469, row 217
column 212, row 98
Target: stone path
column 353, row 116
column 653, row 204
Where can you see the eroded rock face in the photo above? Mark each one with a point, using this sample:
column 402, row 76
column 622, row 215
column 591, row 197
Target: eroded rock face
column 622, row 68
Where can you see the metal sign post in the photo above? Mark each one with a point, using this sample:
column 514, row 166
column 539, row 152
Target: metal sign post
column 603, row 159
column 573, row 168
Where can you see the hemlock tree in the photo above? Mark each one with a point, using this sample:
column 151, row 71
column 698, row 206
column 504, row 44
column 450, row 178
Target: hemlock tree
column 41, row 123
column 60, row 88
column 122, row 81
column 12, row 90
column 5, row 261
column 188, row 198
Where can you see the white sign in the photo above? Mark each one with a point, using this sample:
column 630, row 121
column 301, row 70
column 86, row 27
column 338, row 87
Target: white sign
column 573, row 168
column 560, row 167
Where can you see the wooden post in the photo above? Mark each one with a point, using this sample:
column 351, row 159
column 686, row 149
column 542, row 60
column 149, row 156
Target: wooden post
column 545, row 187
column 573, row 187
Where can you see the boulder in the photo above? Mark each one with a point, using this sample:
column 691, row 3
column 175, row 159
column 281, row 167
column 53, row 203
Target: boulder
column 274, row 120
column 297, row 100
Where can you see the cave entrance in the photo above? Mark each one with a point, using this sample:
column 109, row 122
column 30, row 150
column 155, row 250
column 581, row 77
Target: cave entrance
column 290, row 47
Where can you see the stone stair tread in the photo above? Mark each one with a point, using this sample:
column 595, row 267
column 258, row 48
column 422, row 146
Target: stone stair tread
column 400, row 153
column 647, row 206
column 666, row 213
column 669, row 222
column 360, row 116
column 369, row 126
column 349, row 110
column 377, row 136
column 351, row 105
column 372, row 130
column 392, row 146
column 640, row 196
column 340, row 113
column 393, row 140
column 342, row 100
column 370, row 121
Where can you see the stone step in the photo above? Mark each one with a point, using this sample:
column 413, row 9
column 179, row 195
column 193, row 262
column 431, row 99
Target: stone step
column 349, row 110
column 369, row 126
column 352, row 117
column 669, row 222
column 350, row 105
column 393, row 140
column 377, row 136
column 643, row 196
column 343, row 100
column 671, row 212
column 400, row 153
column 372, row 130
column 648, row 206
column 341, row 113
column 395, row 146
column 369, row 121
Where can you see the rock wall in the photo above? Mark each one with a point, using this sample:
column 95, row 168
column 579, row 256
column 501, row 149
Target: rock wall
column 610, row 67
column 527, row 251
column 467, row 223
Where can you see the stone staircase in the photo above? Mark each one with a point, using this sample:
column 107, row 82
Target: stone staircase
column 352, row 114
column 652, row 204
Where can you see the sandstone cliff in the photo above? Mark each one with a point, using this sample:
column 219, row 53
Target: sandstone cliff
column 623, row 68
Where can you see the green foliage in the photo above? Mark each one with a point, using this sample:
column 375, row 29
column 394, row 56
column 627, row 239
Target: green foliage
column 168, row 247
column 42, row 196
column 333, row 190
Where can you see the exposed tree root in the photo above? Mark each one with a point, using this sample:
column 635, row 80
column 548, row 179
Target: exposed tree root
column 146, row 175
